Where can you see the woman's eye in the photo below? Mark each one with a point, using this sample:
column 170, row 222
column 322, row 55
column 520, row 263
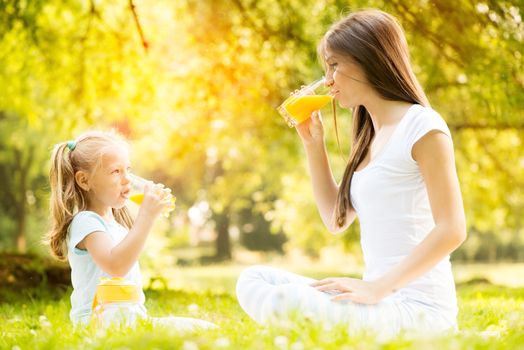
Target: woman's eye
column 332, row 65
column 116, row 171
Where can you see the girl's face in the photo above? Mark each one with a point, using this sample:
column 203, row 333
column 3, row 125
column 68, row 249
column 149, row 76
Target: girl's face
column 346, row 80
column 109, row 185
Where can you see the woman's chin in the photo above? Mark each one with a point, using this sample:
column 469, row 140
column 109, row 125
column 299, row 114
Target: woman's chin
column 343, row 104
column 348, row 105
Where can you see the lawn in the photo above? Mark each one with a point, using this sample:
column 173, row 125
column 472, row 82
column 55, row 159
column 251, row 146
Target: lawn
column 491, row 317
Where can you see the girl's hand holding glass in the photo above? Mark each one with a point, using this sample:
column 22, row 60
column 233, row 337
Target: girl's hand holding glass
column 151, row 195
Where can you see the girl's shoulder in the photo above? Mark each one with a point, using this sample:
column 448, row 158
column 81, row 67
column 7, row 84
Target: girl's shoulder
column 87, row 219
column 84, row 223
column 87, row 215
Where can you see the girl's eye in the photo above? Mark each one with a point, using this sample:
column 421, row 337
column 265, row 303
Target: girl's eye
column 116, row 171
column 332, row 65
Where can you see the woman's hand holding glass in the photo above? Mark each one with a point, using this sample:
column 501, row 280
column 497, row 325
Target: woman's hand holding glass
column 311, row 131
column 154, row 198
column 302, row 111
column 299, row 106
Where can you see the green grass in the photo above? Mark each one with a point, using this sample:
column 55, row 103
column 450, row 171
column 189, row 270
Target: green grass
column 491, row 317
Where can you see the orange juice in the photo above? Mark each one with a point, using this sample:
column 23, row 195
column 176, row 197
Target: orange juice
column 138, row 198
column 301, row 107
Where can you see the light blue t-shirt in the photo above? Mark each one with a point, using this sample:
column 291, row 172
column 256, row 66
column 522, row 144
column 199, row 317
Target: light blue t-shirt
column 85, row 274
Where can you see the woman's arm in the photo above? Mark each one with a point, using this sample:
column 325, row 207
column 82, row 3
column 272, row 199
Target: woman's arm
column 434, row 155
column 325, row 189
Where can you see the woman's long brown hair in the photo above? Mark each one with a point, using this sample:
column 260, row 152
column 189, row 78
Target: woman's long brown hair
column 375, row 41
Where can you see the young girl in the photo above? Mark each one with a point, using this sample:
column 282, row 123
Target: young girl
column 400, row 181
column 91, row 226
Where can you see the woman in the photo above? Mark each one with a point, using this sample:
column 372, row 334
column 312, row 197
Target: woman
column 400, row 181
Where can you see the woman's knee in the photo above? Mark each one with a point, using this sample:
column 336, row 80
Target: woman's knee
column 251, row 274
column 248, row 281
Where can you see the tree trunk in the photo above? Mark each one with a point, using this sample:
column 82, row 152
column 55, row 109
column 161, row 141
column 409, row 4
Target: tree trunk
column 222, row 243
column 22, row 168
column 21, row 245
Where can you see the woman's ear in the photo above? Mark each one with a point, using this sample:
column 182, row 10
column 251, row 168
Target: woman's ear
column 82, row 180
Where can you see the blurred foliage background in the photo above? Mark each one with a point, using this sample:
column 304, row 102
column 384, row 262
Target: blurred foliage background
column 194, row 84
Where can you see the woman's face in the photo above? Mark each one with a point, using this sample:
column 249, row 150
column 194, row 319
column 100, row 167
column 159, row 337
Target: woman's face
column 346, row 80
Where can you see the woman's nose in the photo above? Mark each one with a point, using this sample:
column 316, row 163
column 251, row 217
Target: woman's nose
column 328, row 80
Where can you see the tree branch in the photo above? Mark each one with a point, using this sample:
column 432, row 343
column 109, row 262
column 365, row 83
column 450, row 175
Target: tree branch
column 138, row 26
column 264, row 31
column 414, row 21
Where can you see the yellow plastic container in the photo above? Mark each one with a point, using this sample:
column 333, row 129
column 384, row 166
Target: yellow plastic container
column 117, row 301
column 115, row 289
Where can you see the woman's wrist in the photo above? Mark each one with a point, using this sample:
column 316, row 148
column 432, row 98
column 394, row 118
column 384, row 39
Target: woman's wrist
column 384, row 286
column 314, row 147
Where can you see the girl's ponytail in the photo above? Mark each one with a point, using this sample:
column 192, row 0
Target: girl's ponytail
column 66, row 198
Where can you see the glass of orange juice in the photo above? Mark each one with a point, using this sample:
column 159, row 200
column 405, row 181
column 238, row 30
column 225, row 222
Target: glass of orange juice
column 137, row 194
column 301, row 103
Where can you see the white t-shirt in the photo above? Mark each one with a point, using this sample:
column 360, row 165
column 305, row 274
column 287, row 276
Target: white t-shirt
column 391, row 201
column 85, row 274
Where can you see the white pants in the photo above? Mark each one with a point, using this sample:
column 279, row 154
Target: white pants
column 266, row 293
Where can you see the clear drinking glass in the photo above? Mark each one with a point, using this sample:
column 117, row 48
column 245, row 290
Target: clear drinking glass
column 137, row 194
column 304, row 101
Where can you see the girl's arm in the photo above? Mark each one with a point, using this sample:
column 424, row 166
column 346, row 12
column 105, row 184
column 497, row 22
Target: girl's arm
column 325, row 189
column 434, row 154
column 119, row 259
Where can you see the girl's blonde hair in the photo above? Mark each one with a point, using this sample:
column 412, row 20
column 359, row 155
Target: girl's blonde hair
column 376, row 42
column 67, row 197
